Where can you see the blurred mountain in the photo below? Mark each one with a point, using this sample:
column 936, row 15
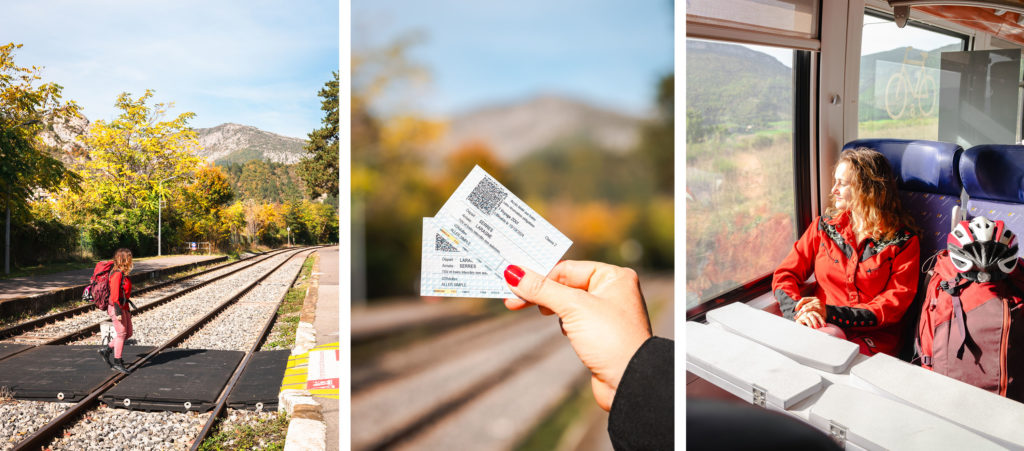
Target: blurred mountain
column 234, row 143
column 516, row 129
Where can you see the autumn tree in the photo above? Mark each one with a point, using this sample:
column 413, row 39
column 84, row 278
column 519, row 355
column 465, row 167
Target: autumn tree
column 319, row 220
column 26, row 163
column 320, row 170
column 233, row 220
column 135, row 159
column 204, row 199
column 253, row 220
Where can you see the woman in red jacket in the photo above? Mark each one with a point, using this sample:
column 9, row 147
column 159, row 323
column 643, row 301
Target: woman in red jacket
column 117, row 308
column 863, row 254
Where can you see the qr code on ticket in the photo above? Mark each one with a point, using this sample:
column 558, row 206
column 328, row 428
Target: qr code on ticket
column 487, row 195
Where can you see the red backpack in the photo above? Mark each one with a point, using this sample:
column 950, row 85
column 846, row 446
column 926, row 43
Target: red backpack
column 973, row 331
column 98, row 290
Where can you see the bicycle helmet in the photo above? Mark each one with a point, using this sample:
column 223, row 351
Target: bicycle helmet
column 982, row 249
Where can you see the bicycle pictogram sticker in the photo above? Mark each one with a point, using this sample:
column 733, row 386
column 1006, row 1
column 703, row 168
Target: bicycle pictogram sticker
column 912, row 91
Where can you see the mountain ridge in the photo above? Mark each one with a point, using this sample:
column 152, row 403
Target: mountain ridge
column 517, row 128
column 237, row 143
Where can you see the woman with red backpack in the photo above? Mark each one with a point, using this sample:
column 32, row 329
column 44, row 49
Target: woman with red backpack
column 864, row 255
column 117, row 308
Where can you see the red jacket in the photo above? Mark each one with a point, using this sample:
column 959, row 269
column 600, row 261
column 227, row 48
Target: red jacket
column 866, row 287
column 119, row 297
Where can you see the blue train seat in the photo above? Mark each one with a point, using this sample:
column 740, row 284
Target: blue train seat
column 929, row 183
column 993, row 176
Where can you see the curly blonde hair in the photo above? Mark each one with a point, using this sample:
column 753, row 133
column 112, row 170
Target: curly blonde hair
column 123, row 260
column 876, row 202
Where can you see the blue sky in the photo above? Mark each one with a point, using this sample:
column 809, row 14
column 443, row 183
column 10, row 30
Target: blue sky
column 258, row 63
column 609, row 52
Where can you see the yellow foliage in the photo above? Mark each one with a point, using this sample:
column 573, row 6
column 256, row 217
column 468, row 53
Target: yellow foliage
column 405, row 132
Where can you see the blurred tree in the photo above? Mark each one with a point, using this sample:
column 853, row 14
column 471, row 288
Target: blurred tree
column 459, row 163
column 26, row 163
column 134, row 157
column 391, row 191
column 320, row 170
column 658, row 138
column 654, row 229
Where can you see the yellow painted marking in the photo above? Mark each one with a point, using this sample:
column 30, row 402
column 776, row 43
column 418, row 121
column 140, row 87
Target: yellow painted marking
column 444, row 291
column 295, row 375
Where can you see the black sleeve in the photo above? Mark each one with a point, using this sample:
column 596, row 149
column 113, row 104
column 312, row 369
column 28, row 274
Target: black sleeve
column 642, row 414
column 850, row 316
column 786, row 304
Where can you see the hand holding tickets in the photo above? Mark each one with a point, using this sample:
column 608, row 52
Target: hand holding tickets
column 602, row 312
column 479, row 231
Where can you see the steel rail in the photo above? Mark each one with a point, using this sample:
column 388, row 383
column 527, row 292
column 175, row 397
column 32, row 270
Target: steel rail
column 26, row 326
column 95, row 327
column 220, row 408
column 42, row 436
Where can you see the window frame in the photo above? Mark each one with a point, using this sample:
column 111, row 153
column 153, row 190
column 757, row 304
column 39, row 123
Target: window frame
column 804, row 68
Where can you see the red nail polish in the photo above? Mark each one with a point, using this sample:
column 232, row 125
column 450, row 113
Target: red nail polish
column 513, row 274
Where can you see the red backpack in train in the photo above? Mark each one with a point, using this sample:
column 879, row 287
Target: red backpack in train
column 971, row 326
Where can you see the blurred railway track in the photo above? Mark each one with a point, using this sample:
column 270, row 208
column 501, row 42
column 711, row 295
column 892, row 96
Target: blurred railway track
column 469, row 375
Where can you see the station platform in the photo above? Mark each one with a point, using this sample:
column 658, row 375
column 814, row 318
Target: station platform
column 36, row 294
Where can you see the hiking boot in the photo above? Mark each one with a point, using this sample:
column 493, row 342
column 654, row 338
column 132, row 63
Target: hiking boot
column 105, row 353
column 119, row 366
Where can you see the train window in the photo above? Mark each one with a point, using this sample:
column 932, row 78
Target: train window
column 899, row 79
column 740, row 191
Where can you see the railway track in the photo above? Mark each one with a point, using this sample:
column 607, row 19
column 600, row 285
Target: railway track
column 488, row 382
column 74, row 323
column 250, row 293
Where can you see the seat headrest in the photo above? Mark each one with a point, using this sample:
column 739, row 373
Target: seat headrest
column 994, row 172
column 919, row 165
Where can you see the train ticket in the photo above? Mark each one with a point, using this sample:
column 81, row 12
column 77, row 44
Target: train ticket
column 447, row 270
column 492, row 225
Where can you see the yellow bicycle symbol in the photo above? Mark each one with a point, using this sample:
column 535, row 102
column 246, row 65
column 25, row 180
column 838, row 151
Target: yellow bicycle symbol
column 900, row 90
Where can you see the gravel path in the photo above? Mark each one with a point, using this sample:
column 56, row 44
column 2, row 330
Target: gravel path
column 106, row 428
column 21, row 418
column 238, row 326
